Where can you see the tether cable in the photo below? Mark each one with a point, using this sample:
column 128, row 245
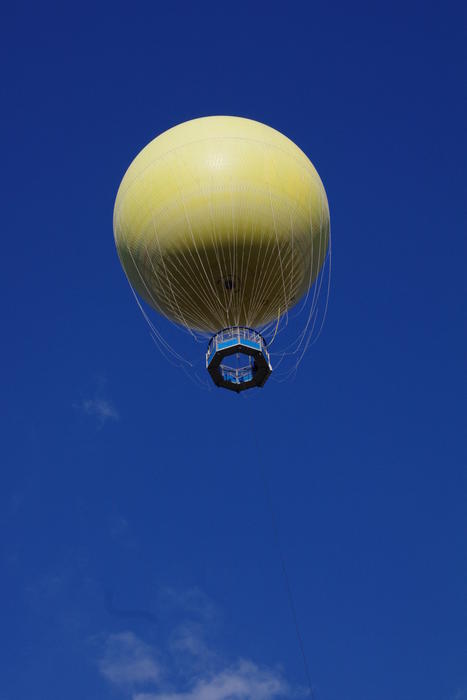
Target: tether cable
column 275, row 529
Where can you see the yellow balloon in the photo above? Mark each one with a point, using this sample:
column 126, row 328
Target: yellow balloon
column 221, row 222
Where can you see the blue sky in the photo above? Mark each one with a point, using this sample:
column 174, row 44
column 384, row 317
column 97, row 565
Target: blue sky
column 137, row 555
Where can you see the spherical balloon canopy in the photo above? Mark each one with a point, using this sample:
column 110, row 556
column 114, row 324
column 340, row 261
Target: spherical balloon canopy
column 220, row 222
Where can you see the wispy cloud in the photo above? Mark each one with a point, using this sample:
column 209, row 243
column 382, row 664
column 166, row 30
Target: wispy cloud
column 102, row 409
column 192, row 602
column 187, row 639
column 128, row 661
column 97, row 404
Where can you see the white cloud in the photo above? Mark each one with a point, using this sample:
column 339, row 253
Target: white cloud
column 128, row 661
column 188, row 667
column 245, row 681
column 131, row 664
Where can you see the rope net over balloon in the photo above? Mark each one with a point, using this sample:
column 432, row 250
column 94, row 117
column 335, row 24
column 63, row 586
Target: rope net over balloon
column 228, row 248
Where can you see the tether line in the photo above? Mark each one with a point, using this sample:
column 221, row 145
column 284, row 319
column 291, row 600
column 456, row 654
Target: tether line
column 275, row 529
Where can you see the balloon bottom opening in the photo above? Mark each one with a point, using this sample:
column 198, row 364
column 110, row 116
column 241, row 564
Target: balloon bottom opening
column 237, row 359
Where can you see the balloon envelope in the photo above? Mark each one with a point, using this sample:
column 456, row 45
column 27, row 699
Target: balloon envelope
column 221, row 221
